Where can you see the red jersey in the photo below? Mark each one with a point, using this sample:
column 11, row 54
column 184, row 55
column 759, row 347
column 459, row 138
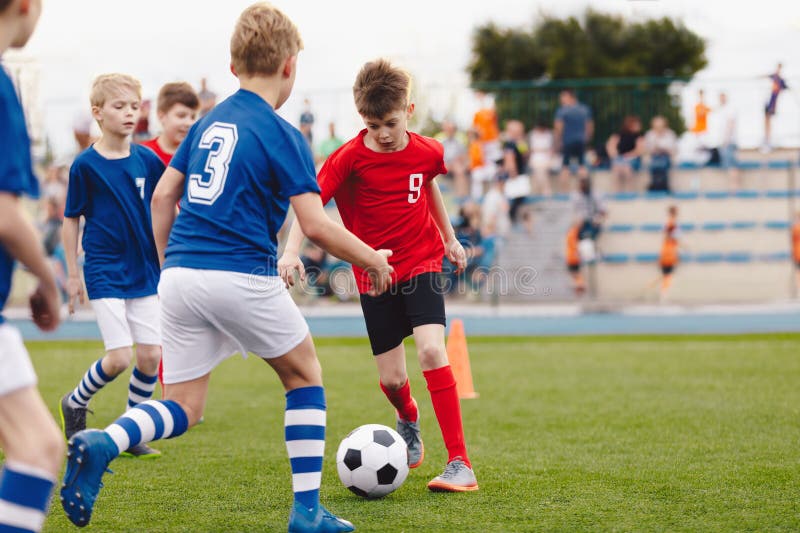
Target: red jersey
column 383, row 199
column 153, row 145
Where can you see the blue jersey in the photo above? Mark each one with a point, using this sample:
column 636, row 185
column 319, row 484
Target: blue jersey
column 113, row 195
column 242, row 163
column 16, row 170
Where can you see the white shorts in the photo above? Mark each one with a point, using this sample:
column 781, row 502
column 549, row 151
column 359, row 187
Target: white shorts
column 209, row 315
column 123, row 322
column 16, row 370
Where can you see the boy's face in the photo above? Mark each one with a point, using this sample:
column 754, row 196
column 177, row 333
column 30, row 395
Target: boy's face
column 119, row 114
column 177, row 121
column 388, row 134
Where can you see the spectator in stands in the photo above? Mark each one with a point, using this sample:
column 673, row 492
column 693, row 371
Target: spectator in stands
column 495, row 224
column 573, row 257
column 455, row 157
column 540, row 141
column 142, row 130
column 796, row 249
column 701, row 111
column 573, row 129
column 208, row 98
column 468, row 233
column 481, row 169
column 51, row 238
column 778, row 85
column 625, row 149
column 329, row 145
column 589, row 208
column 485, row 123
column 316, row 271
column 668, row 258
column 512, row 166
column 82, row 131
column 661, row 145
column 307, row 122
column 723, row 137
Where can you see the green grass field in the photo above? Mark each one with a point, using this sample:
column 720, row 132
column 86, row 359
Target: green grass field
column 584, row 434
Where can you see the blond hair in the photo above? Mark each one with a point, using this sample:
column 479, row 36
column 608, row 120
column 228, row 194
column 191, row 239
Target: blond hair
column 262, row 39
column 107, row 86
column 381, row 88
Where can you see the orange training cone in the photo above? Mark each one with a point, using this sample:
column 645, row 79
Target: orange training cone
column 459, row 360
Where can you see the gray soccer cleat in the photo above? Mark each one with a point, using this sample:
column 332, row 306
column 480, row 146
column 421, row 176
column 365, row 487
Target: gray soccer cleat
column 457, row 477
column 410, row 433
column 73, row 419
column 141, row 451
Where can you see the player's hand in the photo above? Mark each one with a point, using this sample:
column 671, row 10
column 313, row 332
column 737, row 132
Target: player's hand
column 456, row 254
column 380, row 274
column 45, row 304
column 287, row 264
column 75, row 292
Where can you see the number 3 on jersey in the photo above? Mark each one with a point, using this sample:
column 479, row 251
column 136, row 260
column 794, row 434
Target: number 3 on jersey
column 414, row 186
column 220, row 139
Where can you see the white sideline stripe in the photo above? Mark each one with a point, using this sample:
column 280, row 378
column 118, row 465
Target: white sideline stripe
column 305, row 417
column 304, row 482
column 20, row 517
column 166, row 416
column 119, row 436
column 305, row 448
column 145, row 422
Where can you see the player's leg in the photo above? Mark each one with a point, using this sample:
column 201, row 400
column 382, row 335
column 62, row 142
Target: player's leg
column 425, row 309
column 143, row 316
column 110, row 315
column 273, row 328
column 30, row 440
column 387, row 326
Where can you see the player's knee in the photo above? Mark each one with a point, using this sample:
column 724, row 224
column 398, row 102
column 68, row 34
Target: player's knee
column 45, row 451
column 431, row 355
column 147, row 357
column 394, row 381
column 117, row 361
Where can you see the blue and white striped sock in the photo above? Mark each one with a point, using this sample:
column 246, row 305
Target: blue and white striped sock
column 24, row 497
column 148, row 421
column 305, row 441
column 141, row 387
column 93, row 380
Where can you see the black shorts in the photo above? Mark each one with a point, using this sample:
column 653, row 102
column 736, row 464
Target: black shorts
column 393, row 315
column 573, row 150
column 667, row 270
column 574, row 268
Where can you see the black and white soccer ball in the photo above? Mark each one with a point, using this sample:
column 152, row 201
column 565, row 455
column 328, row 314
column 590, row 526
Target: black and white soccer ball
column 372, row 461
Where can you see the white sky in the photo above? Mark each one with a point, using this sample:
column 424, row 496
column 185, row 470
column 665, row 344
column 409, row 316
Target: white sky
column 167, row 40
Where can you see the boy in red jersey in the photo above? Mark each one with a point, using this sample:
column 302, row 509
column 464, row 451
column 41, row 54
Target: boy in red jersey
column 177, row 111
column 384, row 184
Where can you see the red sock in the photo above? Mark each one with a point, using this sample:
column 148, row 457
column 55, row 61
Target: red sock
column 403, row 402
column 442, row 386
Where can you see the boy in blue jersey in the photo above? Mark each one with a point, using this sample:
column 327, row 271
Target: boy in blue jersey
column 28, row 434
column 235, row 174
column 110, row 185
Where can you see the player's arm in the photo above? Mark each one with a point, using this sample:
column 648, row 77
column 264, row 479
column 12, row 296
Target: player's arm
column 69, row 237
column 453, row 249
column 162, row 207
column 290, row 259
column 337, row 240
column 20, row 239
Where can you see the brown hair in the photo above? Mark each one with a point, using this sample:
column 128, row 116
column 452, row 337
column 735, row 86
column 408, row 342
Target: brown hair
column 177, row 93
column 106, row 86
column 381, row 88
column 4, row 4
column 262, row 39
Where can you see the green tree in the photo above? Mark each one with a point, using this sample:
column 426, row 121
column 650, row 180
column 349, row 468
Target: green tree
column 526, row 67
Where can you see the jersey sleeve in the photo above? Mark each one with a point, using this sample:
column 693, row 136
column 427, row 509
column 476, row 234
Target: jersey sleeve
column 294, row 167
column 77, row 192
column 332, row 174
column 16, row 171
column 440, row 167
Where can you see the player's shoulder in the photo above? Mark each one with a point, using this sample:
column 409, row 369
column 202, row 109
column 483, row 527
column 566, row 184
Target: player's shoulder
column 145, row 153
column 347, row 152
column 427, row 144
column 85, row 158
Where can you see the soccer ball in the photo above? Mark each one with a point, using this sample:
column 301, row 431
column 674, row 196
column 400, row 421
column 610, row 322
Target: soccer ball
column 372, row 461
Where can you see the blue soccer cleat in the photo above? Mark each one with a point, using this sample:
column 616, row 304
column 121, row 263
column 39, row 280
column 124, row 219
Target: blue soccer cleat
column 316, row 520
column 89, row 453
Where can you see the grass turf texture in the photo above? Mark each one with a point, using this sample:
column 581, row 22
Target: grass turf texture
column 685, row 433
